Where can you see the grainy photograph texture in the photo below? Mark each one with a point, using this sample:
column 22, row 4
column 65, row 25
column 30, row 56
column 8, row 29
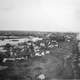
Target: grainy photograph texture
column 39, row 39
column 39, row 55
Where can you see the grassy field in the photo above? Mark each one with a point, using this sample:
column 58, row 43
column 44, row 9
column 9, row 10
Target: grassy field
column 56, row 65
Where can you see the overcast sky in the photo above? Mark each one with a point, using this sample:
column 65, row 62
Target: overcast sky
column 40, row 15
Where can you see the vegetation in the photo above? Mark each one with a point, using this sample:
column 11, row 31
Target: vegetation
column 50, row 56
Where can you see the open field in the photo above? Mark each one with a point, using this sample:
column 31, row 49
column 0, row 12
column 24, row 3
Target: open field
column 38, row 55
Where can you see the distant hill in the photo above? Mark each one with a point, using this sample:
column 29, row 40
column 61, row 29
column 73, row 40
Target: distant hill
column 22, row 34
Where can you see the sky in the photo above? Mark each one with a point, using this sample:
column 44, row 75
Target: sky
column 40, row 15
